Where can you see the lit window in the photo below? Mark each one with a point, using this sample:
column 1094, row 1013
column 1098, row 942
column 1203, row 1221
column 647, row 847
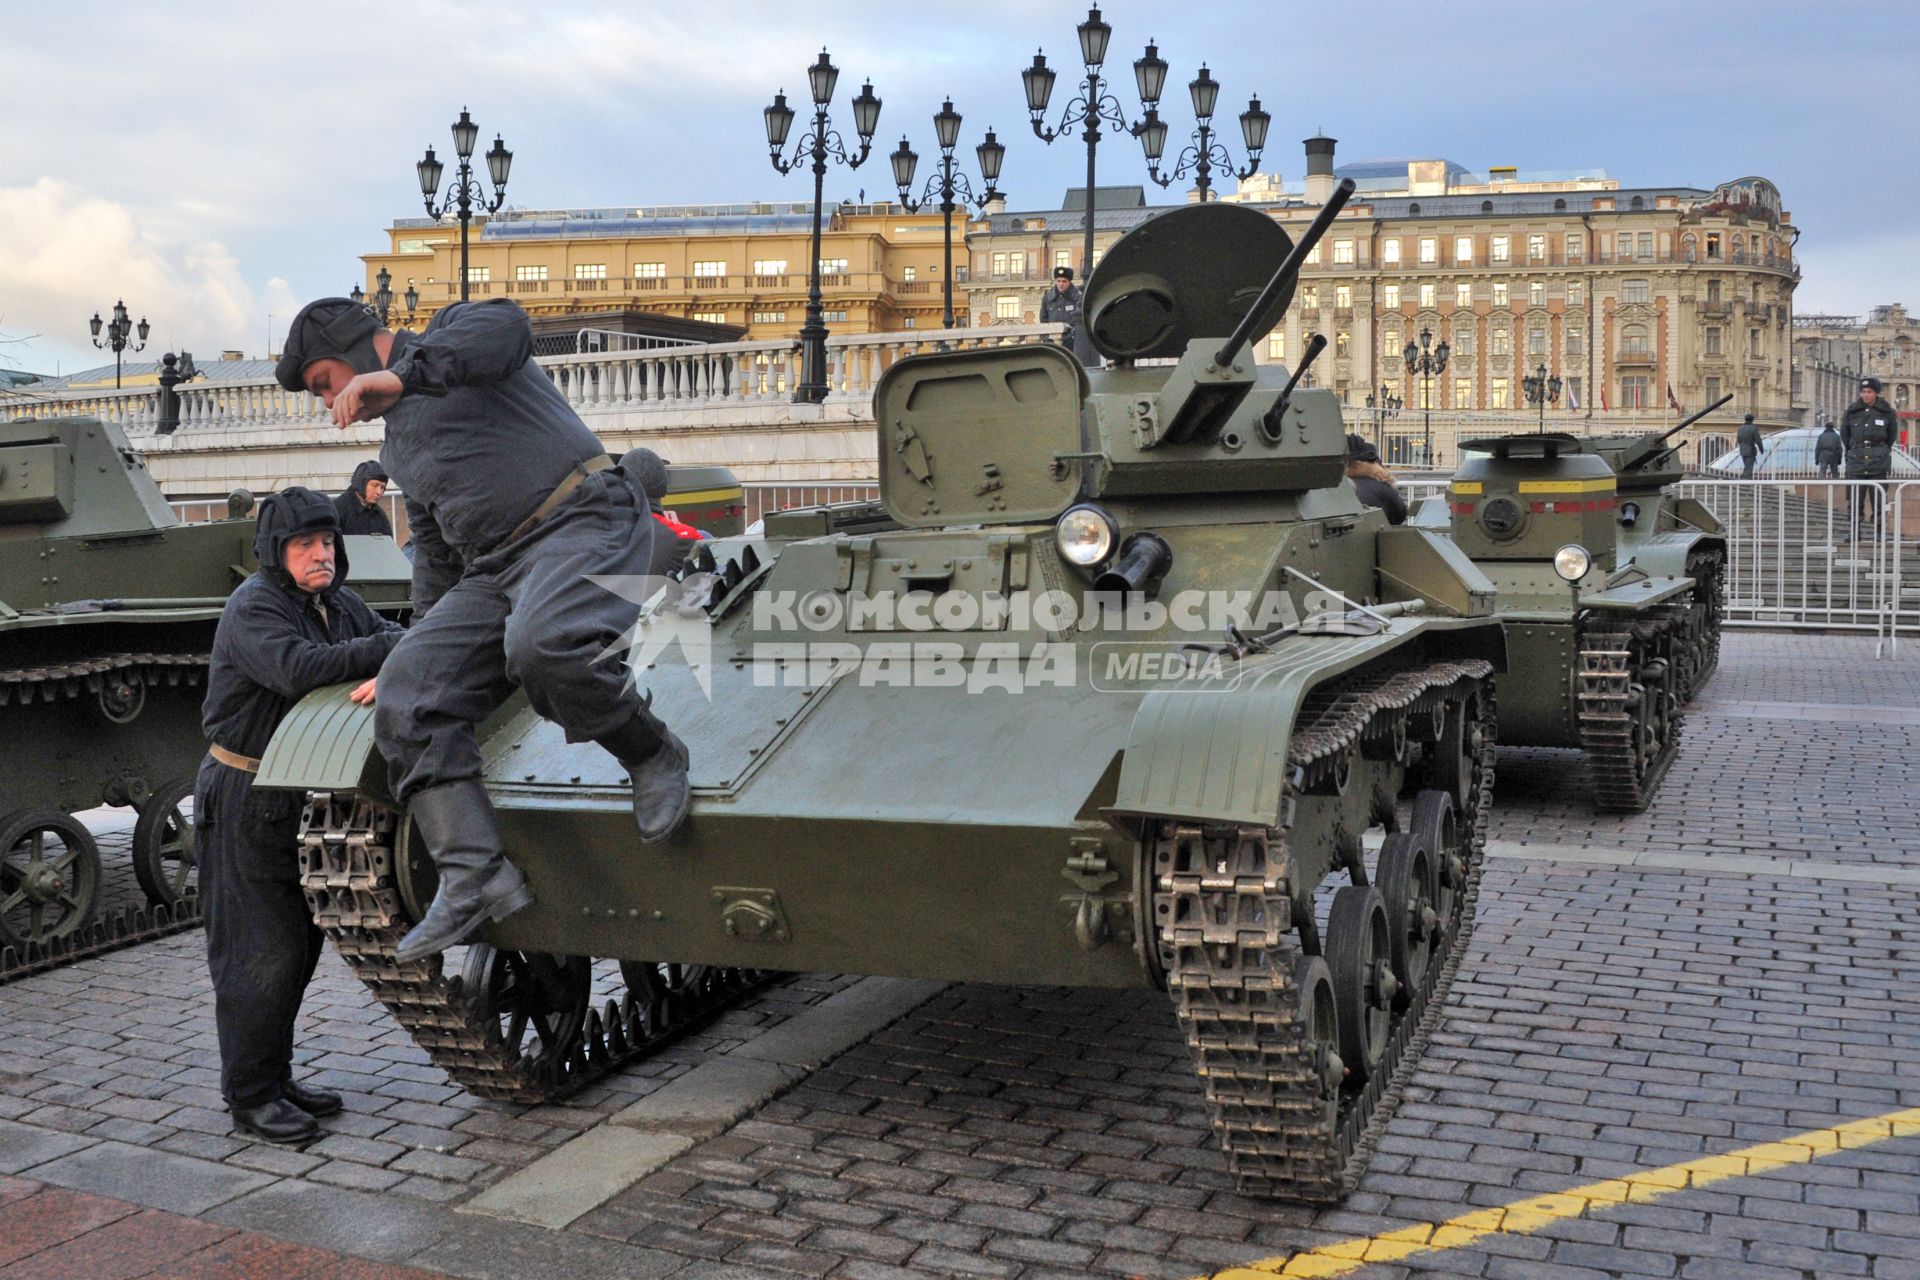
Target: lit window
column 1576, row 293
column 1635, row 291
column 1463, row 342
column 1310, row 297
column 1343, row 253
column 1462, row 392
column 1343, row 297
column 999, row 264
column 836, row 316
column 709, row 270
column 1576, row 337
column 1006, row 307
column 1537, row 293
column 910, row 323
column 1500, row 297
column 1497, row 394
column 711, row 317
column 908, row 274
column 769, row 317
column 1536, row 342
column 1390, row 253
column 1576, row 248
column 1276, row 346
column 1536, row 248
column 529, row 273
column 1463, row 295
column 649, row 270
column 1500, row 341
column 1342, row 342
column 589, row 271
column 1501, row 250
column 1429, row 251
column 1462, row 250
column 1427, row 295
column 1313, row 256
column 1390, row 296
column 833, row 266
column 479, row 275
column 769, row 266
column 1063, row 257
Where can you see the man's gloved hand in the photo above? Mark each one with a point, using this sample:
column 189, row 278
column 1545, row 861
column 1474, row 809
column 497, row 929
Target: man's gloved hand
column 368, row 396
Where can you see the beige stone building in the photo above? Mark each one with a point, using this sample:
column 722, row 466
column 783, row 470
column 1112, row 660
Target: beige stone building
column 1832, row 353
column 1631, row 296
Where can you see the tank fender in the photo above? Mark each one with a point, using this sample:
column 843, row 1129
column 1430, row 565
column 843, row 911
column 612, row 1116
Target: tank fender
column 1694, row 512
column 325, row 743
column 1664, row 555
column 1419, row 564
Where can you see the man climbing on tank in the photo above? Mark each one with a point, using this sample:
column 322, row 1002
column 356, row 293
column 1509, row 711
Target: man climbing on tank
column 1373, row 482
column 289, row 629
column 359, row 507
column 672, row 540
column 514, row 506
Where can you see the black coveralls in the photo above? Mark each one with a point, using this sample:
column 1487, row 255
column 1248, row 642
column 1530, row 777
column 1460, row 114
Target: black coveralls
column 356, row 516
column 1827, row 453
column 478, row 440
column 272, row 647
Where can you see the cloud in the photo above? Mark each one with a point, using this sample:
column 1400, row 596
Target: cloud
column 69, row 253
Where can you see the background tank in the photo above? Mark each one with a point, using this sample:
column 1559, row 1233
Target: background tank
column 708, row 498
column 107, row 609
column 1012, row 792
column 1610, row 589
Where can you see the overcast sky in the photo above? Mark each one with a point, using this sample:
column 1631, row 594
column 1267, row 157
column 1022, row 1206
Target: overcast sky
column 219, row 162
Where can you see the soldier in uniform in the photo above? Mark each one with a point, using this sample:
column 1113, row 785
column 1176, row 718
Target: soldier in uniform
column 1064, row 305
column 1869, row 432
column 1828, row 452
column 287, row 630
column 514, row 507
column 1748, row 440
column 359, row 507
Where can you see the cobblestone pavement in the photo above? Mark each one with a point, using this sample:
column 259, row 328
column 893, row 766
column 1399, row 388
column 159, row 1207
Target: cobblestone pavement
column 1606, row 1020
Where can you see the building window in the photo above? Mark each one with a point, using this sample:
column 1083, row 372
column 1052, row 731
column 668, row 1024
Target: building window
column 1343, row 253
column 1342, row 342
column 1634, row 393
column 1463, row 295
column 833, row 266
column 1006, row 307
column 1713, row 390
column 1576, row 248
column 709, row 270
column 1500, row 294
column 1576, row 337
column 529, row 273
column 1576, row 397
column 769, row 266
column 1313, row 255
column 1713, row 255
column 999, row 264
column 836, row 316
column 1633, row 341
column 1536, row 248
column 1537, row 343
column 1753, row 342
column 1462, row 250
column 1343, row 297
column 1537, row 293
column 711, row 317
column 769, row 317
column 1310, row 298
column 1063, row 257
column 649, row 271
column 1500, row 341
column 1576, row 293
column 1429, row 251
column 908, row 274
column 1390, row 296
column 1635, row 291
column 1427, row 292
column 910, row 323
column 1713, row 340
column 1462, row 392
column 1646, row 246
column 1463, row 343
column 1276, row 346
column 1389, row 253
column 479, row 275
column 589, row 271
column 1497, row 394
column 1501, row 250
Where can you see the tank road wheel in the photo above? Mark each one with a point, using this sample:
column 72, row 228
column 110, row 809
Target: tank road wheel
column 49, row 878
column 1435, row 825
column 1359, row 958
column 531, row 991
column 657, row 992
column 1320, row 1024
column 122, row 696
column 164, row 859
column 1405, row 878
column 1706, row 612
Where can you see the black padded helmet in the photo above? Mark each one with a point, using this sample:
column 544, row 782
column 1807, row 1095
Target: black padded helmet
column 288, row 513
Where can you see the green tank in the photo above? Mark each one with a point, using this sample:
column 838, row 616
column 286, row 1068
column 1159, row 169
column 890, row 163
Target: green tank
column 107, row 609
column 710, row 499
column 1611, row 589
column 989, row 729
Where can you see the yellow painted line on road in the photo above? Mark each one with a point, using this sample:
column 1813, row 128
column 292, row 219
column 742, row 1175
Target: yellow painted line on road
column 1348, row 1256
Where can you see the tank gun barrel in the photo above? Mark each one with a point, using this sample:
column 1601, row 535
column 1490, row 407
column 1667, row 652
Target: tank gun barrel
column 1288, row 272
column 1690, row 419
column 1270, row 425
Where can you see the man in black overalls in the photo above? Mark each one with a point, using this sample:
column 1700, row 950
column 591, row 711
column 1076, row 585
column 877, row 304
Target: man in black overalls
column 514, row 507
column 287, row 630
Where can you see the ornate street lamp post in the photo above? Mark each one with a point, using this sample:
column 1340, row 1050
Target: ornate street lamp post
column 948, row 183
column 117, row 330
column 383, row 296
column 1428, row 361
column 464, row 193
column 820, row 144
column 1541, row 390
column 1205, row 153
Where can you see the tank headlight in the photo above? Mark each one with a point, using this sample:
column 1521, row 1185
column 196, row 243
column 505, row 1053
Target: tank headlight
column 1572, row 562
column 1086, row 535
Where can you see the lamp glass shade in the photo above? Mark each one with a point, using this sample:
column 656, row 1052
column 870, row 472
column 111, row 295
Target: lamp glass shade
column 120, row 314
column 1094, row 35
column 465, row 134
column 946, row 125
column 991, row 154
column 1253, row 127
column 94, row 324
column 143, row 329
column 413, row 297
column 905, row 161
column 1205, row 91
column 499, row 162
column 1426, row 337
column 821, row 77
column 1038, row 80
column 866, row 112
column 1412, row 355
column 384, row 280
column 779, row 120
column 1153, row 136
column 429, row 168
column 1440, row 354
column 1150, row 75
column 357, row 293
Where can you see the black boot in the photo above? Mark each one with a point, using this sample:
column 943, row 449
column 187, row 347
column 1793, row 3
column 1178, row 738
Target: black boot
column 315, row 1102
column 277, row 1120
column 657, row 761
column 477, row 883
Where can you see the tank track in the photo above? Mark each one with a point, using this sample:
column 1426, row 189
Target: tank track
column 1706, row 565
column 1232, row 982
column 1608, row 714
column 347, row 870
column 28, row 685
column 125, row 927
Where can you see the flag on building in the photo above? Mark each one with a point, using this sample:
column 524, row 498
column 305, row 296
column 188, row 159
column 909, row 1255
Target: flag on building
column 1573, row 395
column 1671, row 402
column 1603, row 399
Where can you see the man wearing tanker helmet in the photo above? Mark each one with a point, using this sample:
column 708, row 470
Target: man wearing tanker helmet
column 514, row 507
column 289, row 629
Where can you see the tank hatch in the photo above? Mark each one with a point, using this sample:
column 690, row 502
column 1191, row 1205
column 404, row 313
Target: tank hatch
column 972, row 437
column 1548, row 444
